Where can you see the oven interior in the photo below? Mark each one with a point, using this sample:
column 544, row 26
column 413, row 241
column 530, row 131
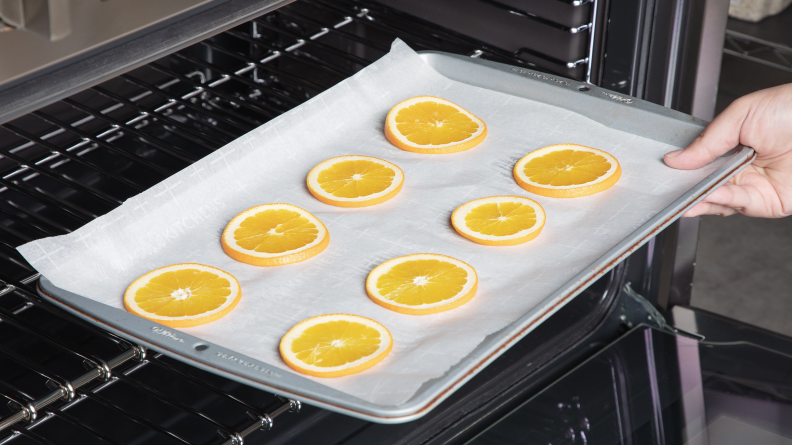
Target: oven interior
column 66, row 381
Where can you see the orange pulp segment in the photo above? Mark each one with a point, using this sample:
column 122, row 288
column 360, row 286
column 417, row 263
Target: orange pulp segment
column 499, row 220
column 273, row 235
column 335, row 345
column 423, row 283
column 567, row 171
column 427, row 124
column 355, row 181
column 183, row 295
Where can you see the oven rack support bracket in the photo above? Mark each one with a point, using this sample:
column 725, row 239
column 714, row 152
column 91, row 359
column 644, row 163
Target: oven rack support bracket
column 591, row 27
column 66, row 390
column 592, row 37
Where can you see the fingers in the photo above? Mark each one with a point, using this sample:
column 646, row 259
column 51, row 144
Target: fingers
column 726, row 200
column 730, row 195
column 720, row 136
column 707, row 208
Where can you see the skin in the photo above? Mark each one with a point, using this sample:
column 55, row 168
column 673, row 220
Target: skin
column 762, row 121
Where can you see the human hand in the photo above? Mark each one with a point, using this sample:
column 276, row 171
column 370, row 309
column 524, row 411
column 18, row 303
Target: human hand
column 762, row 121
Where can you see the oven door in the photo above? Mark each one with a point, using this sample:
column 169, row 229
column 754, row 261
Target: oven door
column 658, row 387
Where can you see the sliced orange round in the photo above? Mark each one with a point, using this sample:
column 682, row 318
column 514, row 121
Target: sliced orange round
column 335, row 345
column 427, row 124
column 355, row 181
column 273, row 235
column 567, row 171
column 183, row 295
column 499, row 220
column 422, row 283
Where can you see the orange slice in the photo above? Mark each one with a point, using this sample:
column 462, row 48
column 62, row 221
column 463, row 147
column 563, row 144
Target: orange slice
column 355, row 181
column 499, row 220
column 567, row 171
column 273, row 235
column 183, row 295
column 426, row 124
column 335, row 345
column 423, row 283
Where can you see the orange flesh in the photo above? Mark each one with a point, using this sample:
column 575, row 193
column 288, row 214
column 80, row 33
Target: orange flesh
column 422, row 282
column 182, row 293
column 353, row 179
column 431, row 123
column 566, row 168
column 275, row 231
column 501, row 219
column 335, row 343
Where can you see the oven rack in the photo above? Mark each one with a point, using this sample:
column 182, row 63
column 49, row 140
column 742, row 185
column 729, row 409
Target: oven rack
column 190, row 105
column 77, row 159
column 754, row 49
column 106, row 373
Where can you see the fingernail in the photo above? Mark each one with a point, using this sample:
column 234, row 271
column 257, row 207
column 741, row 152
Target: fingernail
column 671, row 154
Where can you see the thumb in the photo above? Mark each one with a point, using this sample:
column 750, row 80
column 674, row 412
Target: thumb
column 720, row 136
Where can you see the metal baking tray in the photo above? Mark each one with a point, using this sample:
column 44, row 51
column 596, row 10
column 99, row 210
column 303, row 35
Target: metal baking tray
column 614, row 110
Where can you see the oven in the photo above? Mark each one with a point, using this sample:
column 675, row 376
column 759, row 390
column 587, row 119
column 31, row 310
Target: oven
column 80, row 136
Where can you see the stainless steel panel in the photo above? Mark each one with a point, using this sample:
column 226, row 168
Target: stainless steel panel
column 17, row 100
column 54, row 31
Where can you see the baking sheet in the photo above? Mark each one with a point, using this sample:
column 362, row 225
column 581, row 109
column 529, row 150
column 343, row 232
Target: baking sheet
column 180, row 220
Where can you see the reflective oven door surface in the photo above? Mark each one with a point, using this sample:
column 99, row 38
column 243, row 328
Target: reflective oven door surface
column 657, row 387
column 39, row 34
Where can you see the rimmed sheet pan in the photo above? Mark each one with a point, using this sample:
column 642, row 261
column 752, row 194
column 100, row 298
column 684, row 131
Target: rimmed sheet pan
column 613, row 110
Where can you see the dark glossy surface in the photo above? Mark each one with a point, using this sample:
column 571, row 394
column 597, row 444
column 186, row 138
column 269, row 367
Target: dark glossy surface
column 654, row 387
column 622, row 70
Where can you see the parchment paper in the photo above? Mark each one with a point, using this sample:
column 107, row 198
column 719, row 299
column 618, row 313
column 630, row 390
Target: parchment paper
column 181, row 219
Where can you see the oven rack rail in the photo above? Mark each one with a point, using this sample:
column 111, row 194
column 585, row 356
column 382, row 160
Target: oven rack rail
column 107, row 373
column 747, row 47
column 589, row 27
column 79, row 158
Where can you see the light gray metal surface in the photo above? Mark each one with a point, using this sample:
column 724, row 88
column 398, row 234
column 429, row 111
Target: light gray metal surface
column 748, row 47
column 50, row 32
column 620, row 112
column 47, row 88
column 713, row 33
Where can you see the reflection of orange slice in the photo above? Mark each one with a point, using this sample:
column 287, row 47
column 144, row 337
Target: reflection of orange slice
column 183, row 295
column 423, row 283
column 335, row 345
column 427, row 124
column 567, row 171
column 273, row 235
column 499, row 220
column 355, row 181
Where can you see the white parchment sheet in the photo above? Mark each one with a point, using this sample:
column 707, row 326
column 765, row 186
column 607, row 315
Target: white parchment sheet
column 180, row 220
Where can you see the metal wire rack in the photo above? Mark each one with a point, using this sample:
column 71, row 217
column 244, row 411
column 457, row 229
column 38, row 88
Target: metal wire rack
column 758, row 51
column 77, row 159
